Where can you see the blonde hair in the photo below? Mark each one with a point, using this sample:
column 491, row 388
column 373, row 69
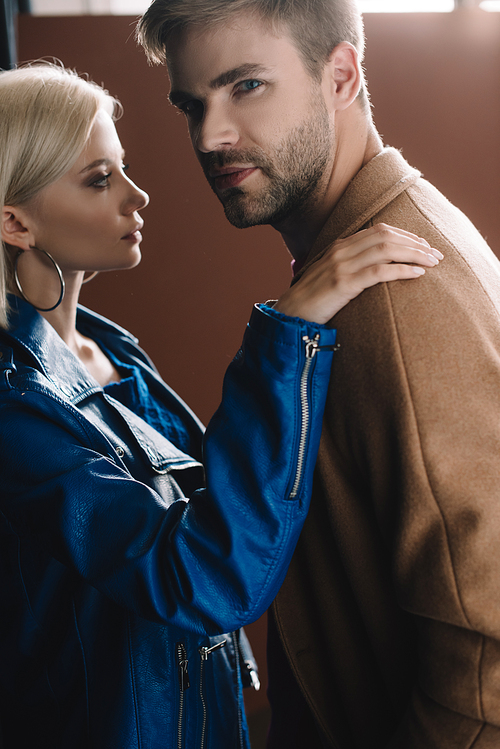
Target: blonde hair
column 315, row 26
column 46, row 115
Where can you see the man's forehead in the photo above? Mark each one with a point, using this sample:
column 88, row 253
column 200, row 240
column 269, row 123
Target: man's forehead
column 245, row 43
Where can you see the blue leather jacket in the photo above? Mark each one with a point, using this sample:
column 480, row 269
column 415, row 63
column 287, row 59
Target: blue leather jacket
column 117, row 589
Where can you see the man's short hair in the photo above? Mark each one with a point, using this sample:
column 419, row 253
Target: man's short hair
column 315, row 26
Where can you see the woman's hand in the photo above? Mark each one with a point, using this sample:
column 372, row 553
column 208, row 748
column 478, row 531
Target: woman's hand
column 381, row 253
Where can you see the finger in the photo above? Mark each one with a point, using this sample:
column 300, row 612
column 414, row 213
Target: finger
column 383, row 255
column 385, row 273
column 385, row 246
column 382, row 236
column 394, row 254
column 382, row 229
column 402, row 232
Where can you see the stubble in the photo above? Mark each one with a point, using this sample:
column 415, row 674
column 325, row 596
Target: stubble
column 294, row 169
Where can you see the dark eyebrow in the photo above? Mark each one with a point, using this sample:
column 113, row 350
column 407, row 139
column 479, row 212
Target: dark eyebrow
column 248, row 70
column 99, row 162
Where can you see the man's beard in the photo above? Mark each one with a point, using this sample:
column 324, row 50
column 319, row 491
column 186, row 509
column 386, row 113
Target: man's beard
column 294, row 168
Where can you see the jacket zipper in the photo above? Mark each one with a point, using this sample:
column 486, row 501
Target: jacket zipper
column 204, row 653
column 237, row 650
column 312, row 347
column 182, row 665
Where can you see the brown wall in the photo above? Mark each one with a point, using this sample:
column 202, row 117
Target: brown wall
column 435, row 88
column 435, row 85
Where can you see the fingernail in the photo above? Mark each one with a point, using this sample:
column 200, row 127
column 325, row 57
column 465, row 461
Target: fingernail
column 437, row 254
column 418, row 271
column 432, row 258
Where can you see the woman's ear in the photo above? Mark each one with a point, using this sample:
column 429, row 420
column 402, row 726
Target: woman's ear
column 342, row 77
column 15, row 229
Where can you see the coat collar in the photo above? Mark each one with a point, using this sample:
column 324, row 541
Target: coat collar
column 48, row 352
column 385, row 177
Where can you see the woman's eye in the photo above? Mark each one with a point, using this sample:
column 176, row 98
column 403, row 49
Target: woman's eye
column 125, row 167
column 102, row 181
column 250, row 85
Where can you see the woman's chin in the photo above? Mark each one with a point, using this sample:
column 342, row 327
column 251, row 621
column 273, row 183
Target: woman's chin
column 130, row 260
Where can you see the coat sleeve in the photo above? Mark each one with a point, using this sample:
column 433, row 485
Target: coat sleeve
column 415, row 423
column 209, row 564
column 446, row 541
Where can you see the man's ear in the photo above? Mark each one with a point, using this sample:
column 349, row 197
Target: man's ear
column 15, row 228
column 342, row 77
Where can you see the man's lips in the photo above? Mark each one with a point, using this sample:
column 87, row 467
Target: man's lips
column 230, row 176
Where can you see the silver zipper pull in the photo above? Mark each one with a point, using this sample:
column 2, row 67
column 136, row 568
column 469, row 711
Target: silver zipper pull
column 254, row 677
column 205, row 652
column 183, row 675
column 312, row 346
column 183, row 668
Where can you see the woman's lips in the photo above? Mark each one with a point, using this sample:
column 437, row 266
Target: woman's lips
column 232, row 179
column 134, row 236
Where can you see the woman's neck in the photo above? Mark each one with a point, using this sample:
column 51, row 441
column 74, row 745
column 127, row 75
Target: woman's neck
column 63, row 320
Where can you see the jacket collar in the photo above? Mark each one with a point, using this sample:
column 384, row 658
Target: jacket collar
column 47, row 351
column 378, row 183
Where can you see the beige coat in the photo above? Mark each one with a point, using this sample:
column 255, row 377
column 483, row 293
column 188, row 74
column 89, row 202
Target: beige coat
column 390, row 613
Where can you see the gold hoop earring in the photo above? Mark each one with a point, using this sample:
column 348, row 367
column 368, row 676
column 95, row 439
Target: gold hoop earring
column 58, row 271
column 89, row 278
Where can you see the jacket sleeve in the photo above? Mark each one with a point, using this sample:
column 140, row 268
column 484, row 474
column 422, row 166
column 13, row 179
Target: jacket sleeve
column 209, row 564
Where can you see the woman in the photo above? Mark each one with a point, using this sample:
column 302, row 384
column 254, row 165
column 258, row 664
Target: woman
column 116, row 589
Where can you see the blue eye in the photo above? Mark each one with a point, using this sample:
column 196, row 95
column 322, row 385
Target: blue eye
column 250, row 85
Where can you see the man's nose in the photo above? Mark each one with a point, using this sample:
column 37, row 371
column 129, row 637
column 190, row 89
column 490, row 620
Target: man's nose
column 216, row 131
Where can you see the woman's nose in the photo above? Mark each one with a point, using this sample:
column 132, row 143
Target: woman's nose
column 137, row 199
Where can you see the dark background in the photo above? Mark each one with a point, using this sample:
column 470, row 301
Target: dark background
column 435, row 85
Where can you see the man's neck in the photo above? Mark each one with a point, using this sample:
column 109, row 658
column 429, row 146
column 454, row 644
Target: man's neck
column 352, row 152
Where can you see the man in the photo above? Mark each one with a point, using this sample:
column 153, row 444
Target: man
column 386, row 632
